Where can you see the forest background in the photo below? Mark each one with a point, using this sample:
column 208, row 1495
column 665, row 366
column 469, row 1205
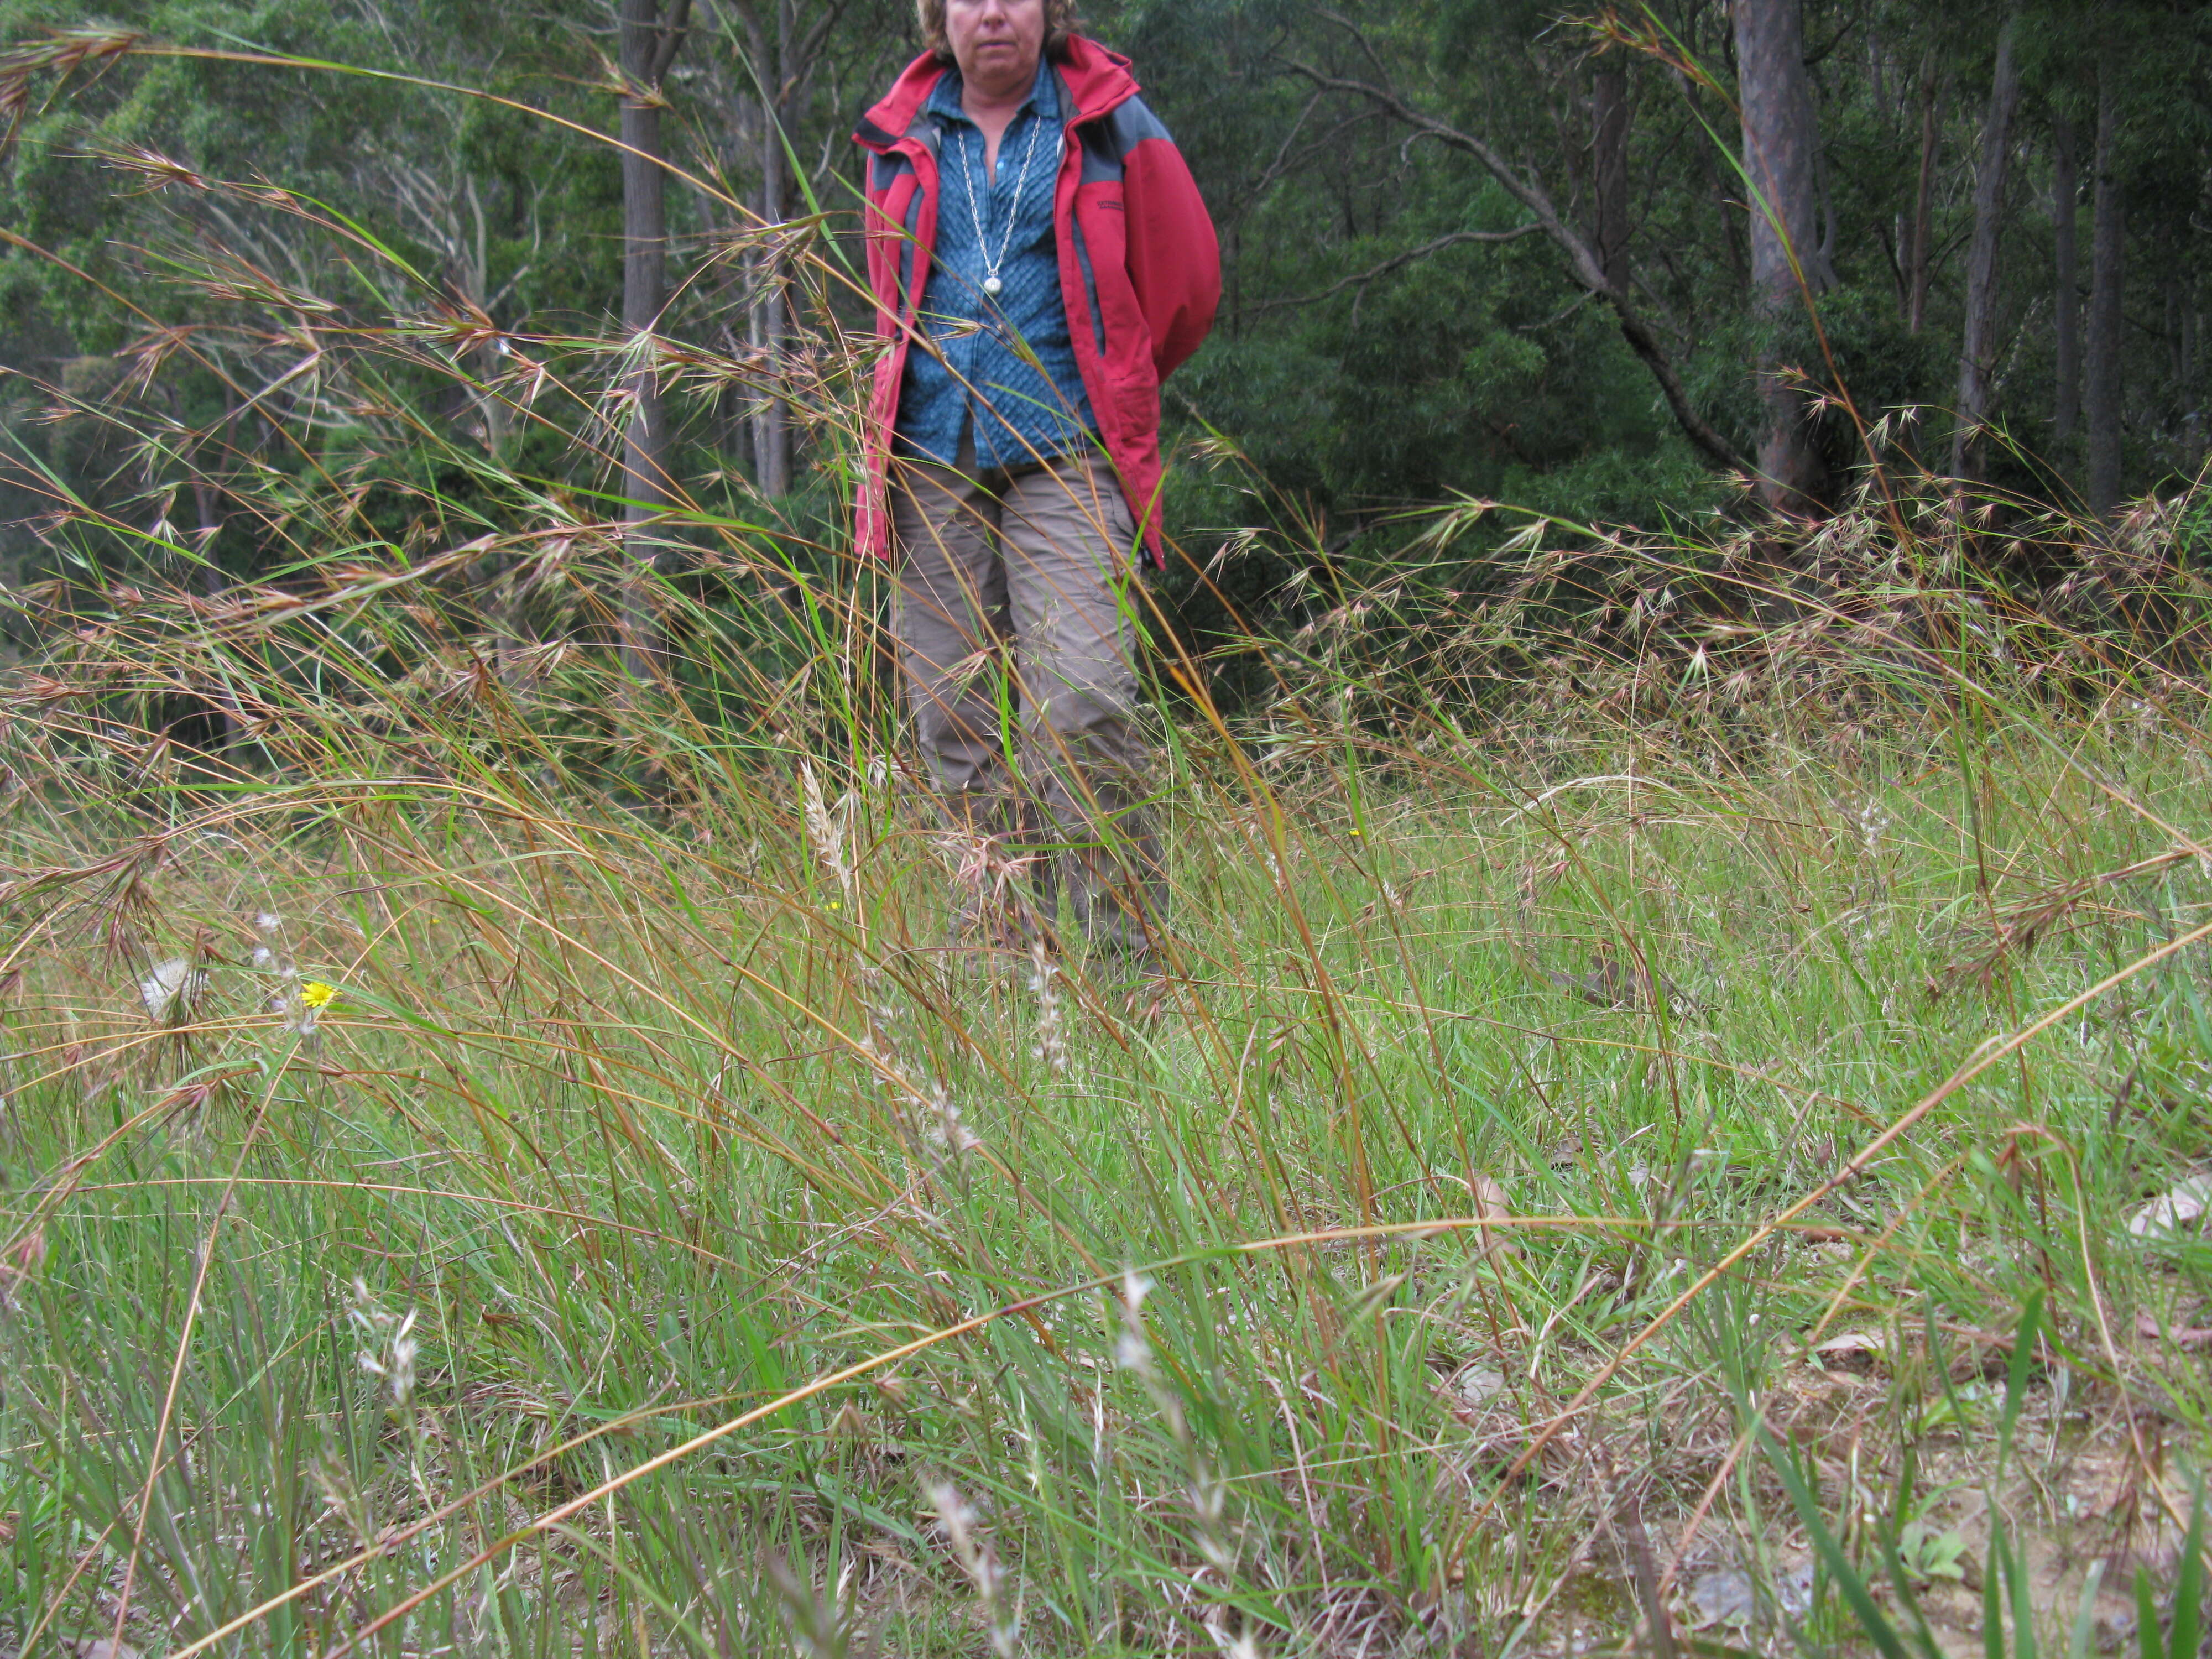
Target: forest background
column 1475, row 249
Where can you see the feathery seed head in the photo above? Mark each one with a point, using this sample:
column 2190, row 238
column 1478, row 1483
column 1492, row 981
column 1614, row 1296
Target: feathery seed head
column 172, row 990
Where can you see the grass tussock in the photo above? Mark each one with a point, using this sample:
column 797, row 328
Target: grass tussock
column 449, row 1206
column 1654, row 1136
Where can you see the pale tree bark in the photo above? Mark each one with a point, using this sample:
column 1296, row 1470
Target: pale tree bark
column 2066, row 278
column 422, row 169
column 648, row 45
column 1786, row 267
column 782, row 47
column 2107, row 255
column 1609, row 170
column 1977, row 343
column 770, row 323
column 442, row 205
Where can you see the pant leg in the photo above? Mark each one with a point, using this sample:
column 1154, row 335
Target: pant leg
column 949, row 616
column 1069, row 541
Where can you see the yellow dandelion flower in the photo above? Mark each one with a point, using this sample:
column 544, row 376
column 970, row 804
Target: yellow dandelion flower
column 316, row 994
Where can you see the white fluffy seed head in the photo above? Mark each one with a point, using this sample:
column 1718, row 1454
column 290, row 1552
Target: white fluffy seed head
column 171, row 989
column 1051, row 1045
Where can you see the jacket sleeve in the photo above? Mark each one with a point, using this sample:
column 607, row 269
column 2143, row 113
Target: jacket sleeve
column 1174, row 256
column 887, row 211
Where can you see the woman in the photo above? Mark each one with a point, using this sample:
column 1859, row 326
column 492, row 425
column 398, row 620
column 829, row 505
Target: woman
column 1041, row 262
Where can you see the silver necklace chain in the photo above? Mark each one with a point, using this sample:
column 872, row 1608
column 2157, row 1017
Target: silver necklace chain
column 992, row 285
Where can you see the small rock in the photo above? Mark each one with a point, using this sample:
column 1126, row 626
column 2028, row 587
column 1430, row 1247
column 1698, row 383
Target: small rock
column 2178, row 1210
column 1477, row 1385
column 1724, row 1597
column 1728, row 1595
column 1794, row 1590
column 1852, row 1351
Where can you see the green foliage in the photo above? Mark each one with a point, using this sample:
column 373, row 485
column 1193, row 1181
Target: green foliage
column 1359, row 374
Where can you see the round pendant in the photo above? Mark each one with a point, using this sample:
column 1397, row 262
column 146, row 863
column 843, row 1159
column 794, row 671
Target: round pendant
column 992, row 287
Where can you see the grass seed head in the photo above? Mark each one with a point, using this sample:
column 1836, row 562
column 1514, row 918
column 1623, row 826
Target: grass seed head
column 171, row 991
column 1051, row 1044
column 392, row 1348
column 980, row 1561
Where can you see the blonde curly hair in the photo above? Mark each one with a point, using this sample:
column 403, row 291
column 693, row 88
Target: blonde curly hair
column 1059, row 24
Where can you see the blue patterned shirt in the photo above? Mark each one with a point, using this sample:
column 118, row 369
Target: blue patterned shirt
column 974, row 340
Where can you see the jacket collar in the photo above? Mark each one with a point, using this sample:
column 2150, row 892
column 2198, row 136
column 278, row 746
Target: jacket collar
column 1097, row 81
column 944, row 100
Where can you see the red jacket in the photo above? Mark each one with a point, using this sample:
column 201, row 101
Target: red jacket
column 1140, row 265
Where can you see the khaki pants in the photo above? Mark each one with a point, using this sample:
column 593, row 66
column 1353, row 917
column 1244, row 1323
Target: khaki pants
column 1017, row 649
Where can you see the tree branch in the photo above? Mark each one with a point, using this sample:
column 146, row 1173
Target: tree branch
column 1396, row 262
column 1582, row 259
column 1274, row 168
column 671, row 41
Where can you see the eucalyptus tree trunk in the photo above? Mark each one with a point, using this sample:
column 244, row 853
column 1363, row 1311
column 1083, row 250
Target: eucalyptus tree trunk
column 1787, row 267
column 770, row 326
column 1975, row 346
column 648, row 43
column 2066, row 278
column 1921, row 258
column 2107, row 255
column 781, row 60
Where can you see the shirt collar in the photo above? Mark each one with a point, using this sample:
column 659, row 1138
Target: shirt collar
column 1044, row 96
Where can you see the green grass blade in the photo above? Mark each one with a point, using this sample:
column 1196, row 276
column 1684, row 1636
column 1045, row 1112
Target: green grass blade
column 2016, row 1376
column 1871, row 1619
column 2084, row 1633
column 2189, row 1584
